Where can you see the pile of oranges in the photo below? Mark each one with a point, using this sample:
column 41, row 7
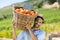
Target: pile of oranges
column 25, row 12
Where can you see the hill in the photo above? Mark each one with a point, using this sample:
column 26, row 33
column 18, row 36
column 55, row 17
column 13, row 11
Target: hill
column 51, row 16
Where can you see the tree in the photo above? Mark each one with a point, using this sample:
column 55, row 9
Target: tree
column 40, row 4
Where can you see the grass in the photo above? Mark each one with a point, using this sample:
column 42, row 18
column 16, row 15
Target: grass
column 6, row 28
column 6, row 12
column 51, row 16
column 5, row 24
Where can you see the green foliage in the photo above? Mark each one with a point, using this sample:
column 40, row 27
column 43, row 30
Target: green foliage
column 6, row 28
column 50, row 27
column 7, row 32
column 40, row 4
column 50, row 15
column 52, row 22
column 5, row 13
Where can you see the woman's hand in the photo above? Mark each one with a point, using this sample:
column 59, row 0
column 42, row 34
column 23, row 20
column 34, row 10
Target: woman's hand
column 28, row 27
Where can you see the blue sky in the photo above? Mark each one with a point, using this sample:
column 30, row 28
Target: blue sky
column 4, row 3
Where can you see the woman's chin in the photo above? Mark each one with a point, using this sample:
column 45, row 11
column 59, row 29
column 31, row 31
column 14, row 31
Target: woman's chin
column 37, row 27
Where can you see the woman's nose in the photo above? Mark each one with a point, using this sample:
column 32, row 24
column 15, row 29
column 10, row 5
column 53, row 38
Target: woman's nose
column 36, row 23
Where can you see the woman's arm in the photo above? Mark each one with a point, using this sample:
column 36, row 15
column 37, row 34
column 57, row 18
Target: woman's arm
column 31, row 33
column 13, row 31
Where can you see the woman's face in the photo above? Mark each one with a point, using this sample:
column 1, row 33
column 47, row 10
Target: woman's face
column 38, row 22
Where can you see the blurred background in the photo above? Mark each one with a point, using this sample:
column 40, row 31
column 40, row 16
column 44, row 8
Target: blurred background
column 49, row 8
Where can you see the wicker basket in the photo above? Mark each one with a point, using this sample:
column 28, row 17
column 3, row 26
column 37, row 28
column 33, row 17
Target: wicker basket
column 21, row 20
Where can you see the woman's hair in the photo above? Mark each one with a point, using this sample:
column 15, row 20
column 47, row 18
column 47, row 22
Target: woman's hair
column 39, row 17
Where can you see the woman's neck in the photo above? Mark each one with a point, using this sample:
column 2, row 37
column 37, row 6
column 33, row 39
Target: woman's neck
column 35, row 28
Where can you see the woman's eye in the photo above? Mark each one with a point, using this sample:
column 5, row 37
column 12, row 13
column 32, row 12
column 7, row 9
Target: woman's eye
column 39, row 22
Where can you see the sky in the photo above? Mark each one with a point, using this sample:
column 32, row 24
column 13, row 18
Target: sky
column 4, row 3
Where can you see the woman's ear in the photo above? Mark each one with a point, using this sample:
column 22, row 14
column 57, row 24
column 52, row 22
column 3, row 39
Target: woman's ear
column 43, row 22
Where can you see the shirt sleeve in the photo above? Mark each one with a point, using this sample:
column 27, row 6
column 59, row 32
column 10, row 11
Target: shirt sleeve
column 41, row 36
column 20, row 36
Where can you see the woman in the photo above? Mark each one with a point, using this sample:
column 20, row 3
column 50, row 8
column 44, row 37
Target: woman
column 33, row 33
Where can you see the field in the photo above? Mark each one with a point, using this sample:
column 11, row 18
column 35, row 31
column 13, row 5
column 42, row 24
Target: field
column 51, row 16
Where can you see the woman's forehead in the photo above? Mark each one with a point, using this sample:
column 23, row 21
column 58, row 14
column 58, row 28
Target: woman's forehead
column 39, row 19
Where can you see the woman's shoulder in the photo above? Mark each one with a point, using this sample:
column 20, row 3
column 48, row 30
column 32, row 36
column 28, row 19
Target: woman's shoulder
column 41, row 31
column 24, row 31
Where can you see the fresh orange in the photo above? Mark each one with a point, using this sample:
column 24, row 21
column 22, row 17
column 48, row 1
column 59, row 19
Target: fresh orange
column 21, row 11
column 32, row 13
column 24, row 11
column 27, row 11
column 18, row 10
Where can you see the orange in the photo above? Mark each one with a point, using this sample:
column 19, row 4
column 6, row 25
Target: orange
column 24, row 11
column 32, row 13
column 27, row 11
column 18, row 10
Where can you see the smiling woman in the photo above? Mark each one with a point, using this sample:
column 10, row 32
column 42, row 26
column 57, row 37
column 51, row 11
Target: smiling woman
column 4, row 3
